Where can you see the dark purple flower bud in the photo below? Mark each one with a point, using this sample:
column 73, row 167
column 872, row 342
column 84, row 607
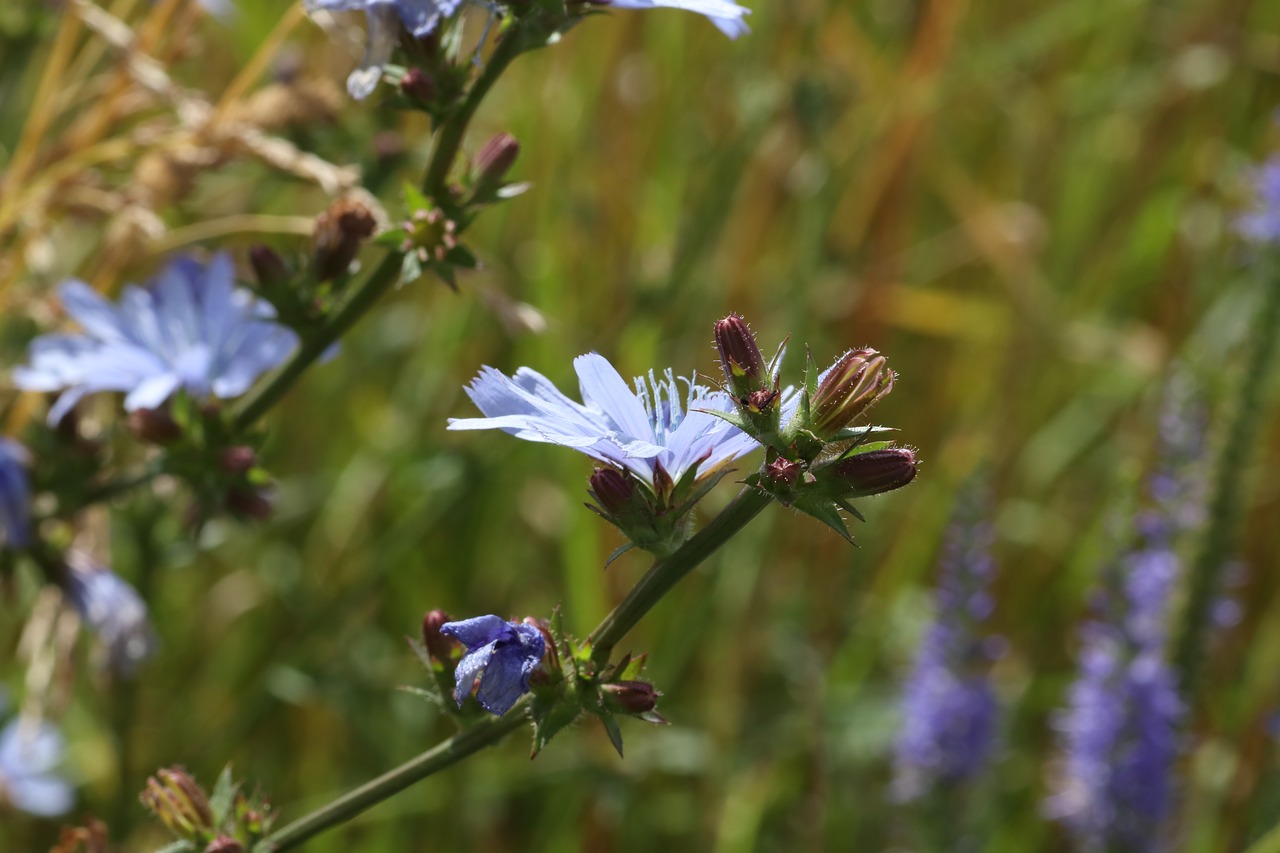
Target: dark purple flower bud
column 612, row 490
column 874, row 472
column 237, row 460
column 502, row 655
column 154, row 426
column 848, row 388
column 340, row 231
column 630, row 697
column 243, row 502
column 419, row 85
column 268, row 267
column 224, row 844
column 180, row 804
column 438, row 645
column 495, row 159
column 740, row 358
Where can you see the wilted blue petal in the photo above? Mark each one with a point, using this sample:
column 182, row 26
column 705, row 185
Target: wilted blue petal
column 503, row 655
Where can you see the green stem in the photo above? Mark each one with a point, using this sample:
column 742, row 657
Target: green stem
column 473, row 739
column 387, row 273
column 1227, row 500
column 665, row 574
column 656, row 583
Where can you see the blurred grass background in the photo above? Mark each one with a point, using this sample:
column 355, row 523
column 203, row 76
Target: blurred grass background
column 1025, row 206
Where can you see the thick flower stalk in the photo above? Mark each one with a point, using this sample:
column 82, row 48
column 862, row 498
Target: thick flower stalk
column 949, row 707
column 29, row 779
column 1120, row 732
column 191, row 329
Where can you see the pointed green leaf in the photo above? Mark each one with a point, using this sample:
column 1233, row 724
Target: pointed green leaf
column 618, row 552
column 183, row 846
column 414, row 199
column 223, row 796
column 825, row 512
column 410, row 269
column 612, row 729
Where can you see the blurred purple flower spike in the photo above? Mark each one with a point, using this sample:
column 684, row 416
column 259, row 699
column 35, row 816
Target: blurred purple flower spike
column 1261, row 224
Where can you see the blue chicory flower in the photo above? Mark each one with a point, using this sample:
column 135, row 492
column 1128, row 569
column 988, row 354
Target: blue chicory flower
column 420, row 17
column 639, row 431
column 726, row 15
column 1262, row 223
column 501, row 654
column 15, row 494
column 29, row 757
column 190, row 329
column 113, row 610
column 949, row 706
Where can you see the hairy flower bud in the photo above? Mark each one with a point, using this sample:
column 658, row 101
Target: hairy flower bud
column 852, row 385
column 339, row 232
column 782, row 472
column 237, row 460
column 614, row 492
column 874, row 472
column 180, row 804
column 630, row 697
column 268, row 267
column 740, row 358
column 419, row 85
column 154, row 426
column 439, row 646
column 495, row 159
column 246, row 503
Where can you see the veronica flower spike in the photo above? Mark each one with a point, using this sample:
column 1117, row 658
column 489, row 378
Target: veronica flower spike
column 503, row 655
column 190, row 329
column 654, row 431
column 419, row 17
column 726, row 15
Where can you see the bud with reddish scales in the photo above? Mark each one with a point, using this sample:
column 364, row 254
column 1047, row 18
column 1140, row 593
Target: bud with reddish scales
column 613, row 491
column 154, row 426
column 630, row 697
column 237, row 460
column 740, row 358
column 874, row 472
column 782, row 472
column 268, row 267
column 419, row 85
column 494, row 160
column 224, row 844
column 849, row 388
column 339, row 233
column 439, row 646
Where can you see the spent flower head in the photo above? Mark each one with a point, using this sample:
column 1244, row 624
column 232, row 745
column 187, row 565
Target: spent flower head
column 659, row 431
column 190, row 329
column 502, row 655
column 30, row 754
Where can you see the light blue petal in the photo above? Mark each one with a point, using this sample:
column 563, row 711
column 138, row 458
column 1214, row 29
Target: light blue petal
column 382, row 42
column 43, row 796
column 152, row 392
column 94, row 313
column 604, row 389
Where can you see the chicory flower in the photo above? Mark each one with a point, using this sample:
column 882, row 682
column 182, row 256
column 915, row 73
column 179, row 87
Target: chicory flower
column 113, row 610
column 643, row 431
column 190, row 329
column 503, row 655
column 29, row 757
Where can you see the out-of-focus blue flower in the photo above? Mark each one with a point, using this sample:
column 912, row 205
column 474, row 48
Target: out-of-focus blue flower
column 15, row 494
column 191, row 329
column 113, row 610
column 641, row 431
column 949, row 707
column 29, row 758
column 726, row 15
column 1262, row 223
column 419, row 17
column 501, row 654
column 1120, row 730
